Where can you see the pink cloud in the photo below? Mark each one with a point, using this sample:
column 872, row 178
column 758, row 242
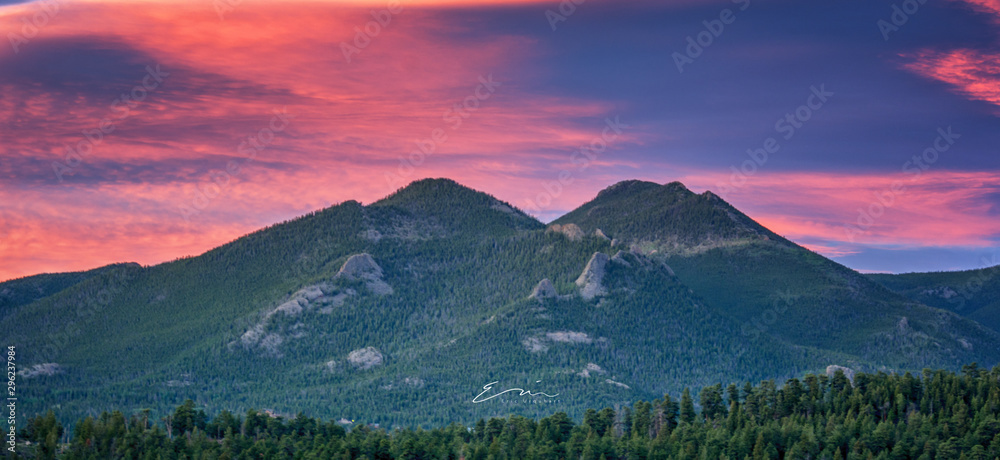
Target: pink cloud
column 987, row 6
column 353, row 123
column 936, row 208
column 973, row 73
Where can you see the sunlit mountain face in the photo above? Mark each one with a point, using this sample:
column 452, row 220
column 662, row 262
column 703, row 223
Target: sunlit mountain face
column 147, row 131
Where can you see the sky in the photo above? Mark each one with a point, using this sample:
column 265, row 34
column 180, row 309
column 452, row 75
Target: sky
column 146, row 131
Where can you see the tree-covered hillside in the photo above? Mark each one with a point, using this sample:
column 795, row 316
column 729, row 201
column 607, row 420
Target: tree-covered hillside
column 932, row 415
column 974, row 294
column 771, row 285
column 668, row 219
column 22, row 291
column 401, row 311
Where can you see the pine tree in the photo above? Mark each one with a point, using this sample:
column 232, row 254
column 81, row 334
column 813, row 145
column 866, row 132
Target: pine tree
column 712, row 405
column 687, row 407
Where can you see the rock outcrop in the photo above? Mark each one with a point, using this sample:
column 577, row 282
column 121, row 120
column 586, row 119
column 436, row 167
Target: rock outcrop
column 44, row 369
column 832, row 369
column 541, row 342
column 535, row 345
column 544, row 290
column 362, row 267
column 618, row 384
column 273, row 328
column 591, row 368
column 619, row 258
column 572, row 231
column 569, row 337
column 365, row 358
column 591, row 281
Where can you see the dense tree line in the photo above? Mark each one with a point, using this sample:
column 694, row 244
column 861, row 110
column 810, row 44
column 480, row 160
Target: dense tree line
column 935, row 415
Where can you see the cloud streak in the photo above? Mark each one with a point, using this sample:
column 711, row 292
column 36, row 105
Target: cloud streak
column 355, row 122
column 972, row 73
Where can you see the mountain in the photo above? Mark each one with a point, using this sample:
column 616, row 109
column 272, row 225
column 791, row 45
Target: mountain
column 774, row 286
column 22, row 291
column 667, row 219
column 416, row 308
column 974, row 294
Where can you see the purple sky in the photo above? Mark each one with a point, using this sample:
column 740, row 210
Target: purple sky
column 883, row 134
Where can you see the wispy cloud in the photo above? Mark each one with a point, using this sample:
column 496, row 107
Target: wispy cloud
column 355, row 121
column 972, row 73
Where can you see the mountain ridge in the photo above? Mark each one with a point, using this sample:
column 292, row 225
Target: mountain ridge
column 974, row 294
column 378, row 312
column 660, row 229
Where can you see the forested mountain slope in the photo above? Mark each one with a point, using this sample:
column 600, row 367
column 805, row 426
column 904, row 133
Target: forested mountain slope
column 401, row 311
column 22, row 291
column 974, row 294
column 772, row 285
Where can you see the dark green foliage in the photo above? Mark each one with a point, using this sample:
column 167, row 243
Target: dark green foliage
column 668, row 218
column 974, row 294
column 22, row 291
column 687, row 407
column 186, row 419
column 775, row 287
column 461, row 265
column 45, row 432
column 939, row 415
column 458, row 209
column 712, row 406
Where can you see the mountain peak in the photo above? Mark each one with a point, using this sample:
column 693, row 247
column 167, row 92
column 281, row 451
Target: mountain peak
column 670, row 216
column 677, row 186
column 449, row 201
column 420, row 189
column 627, row 187
column 430, row 193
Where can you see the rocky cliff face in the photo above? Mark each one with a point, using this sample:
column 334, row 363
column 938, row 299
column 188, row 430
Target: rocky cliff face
column 591, row 281
column 362, row 267
column 544, row 290
column 282, row 323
